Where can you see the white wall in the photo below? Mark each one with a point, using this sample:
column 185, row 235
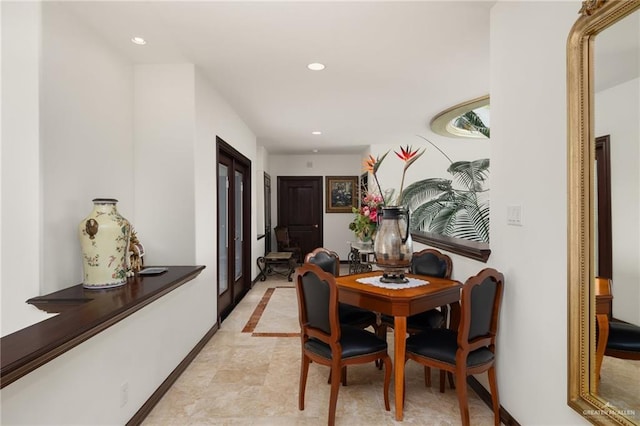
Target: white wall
column 164, row 107
column 86, row 138
column 528, row 167
column 21, row 180
column 617, row 114
column 261, row 167
column 335, row 225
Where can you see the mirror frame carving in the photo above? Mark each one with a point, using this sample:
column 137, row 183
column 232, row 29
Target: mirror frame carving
column 595, row 16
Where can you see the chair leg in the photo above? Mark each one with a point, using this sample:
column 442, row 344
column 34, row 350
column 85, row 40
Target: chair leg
column 404, row 389
column 343, row 376
column 335, row 387
column 463, row 400
column 387, row 381
column 381, row 332
column 427, row 376
column 427, row 379
column 495, row 401
column 442, row 380
column 602, row 325
column 445, row 313
column 304, row 370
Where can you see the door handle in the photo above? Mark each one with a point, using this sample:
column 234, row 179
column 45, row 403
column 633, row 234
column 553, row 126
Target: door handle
column 315, row 226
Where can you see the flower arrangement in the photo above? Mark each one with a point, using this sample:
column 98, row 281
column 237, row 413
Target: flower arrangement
column 365, row 223
column 408, row 155
column 366, row 220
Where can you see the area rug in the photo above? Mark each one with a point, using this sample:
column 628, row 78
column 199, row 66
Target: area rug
column 276, row 315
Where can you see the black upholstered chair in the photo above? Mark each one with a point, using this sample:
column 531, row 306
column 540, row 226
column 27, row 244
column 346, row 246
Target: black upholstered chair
column 430, row 262
column 327, row 342
column 615, row 339
column 329, row 261
column 470, row 348
column 326, row 259
column 433, row 263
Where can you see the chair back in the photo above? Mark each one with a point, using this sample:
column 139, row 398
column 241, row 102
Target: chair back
column 479, row 309
column 431, row 262
column 603, row 286
column 622, row 340
column 326, row 259
column 282, row 237
column 317, row 303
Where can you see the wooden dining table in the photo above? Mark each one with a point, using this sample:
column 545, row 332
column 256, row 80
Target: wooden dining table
column 400, row 302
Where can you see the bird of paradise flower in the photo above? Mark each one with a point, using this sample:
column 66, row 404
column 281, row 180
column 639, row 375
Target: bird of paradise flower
column 408, row 155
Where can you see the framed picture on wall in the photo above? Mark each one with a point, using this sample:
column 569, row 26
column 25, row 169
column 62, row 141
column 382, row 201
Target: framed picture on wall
column 342, row 193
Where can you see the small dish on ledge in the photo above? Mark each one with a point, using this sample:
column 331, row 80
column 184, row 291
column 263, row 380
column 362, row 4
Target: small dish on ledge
column 153, row 271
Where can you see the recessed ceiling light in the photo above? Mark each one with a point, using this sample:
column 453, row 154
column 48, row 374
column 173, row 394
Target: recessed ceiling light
column 316, row 66
column 138, row 40
column 316, row 133
column 314, row 150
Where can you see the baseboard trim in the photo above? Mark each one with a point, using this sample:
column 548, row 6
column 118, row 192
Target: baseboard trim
column 146, row 408
column 505, row 418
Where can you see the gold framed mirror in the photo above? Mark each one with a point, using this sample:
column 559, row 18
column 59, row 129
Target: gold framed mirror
column 584, row 394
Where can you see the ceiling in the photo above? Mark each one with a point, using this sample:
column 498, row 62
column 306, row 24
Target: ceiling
column 390, row 66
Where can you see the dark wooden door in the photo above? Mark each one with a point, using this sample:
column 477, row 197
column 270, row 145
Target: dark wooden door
column 267, row 213
column 234, row 227
column 241, row 278
column 603, row 194
column 300, row 209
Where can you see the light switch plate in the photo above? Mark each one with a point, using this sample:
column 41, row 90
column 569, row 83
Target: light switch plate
column 514, row 215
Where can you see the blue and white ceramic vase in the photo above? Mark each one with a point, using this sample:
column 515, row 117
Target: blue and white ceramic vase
column 104, row 240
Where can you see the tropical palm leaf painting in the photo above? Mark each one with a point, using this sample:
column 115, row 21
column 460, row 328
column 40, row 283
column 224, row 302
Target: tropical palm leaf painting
column 460, row 211
column 436, row 205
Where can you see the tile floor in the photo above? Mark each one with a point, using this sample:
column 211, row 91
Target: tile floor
column 248, row 374
column 620, row 385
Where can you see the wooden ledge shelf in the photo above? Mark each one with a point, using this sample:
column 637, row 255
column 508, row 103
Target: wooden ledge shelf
column 470, row 249
column 82, row 314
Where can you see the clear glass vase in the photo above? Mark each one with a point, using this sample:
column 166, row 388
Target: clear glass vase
column 393, row 246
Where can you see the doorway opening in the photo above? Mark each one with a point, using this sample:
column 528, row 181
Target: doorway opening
column 300, row 210
column 234, row 227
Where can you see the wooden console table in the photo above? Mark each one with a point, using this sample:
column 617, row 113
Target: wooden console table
column 82, row 314
column 277, row 262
